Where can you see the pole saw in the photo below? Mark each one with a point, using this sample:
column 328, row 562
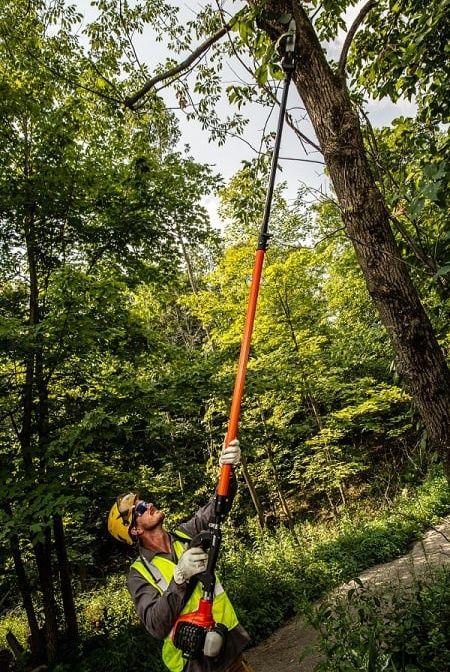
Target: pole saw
column 190, row 630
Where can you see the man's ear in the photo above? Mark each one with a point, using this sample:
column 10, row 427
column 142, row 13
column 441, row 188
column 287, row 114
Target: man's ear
column 135, row 533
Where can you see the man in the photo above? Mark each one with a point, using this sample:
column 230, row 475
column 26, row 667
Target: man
column 162, row 581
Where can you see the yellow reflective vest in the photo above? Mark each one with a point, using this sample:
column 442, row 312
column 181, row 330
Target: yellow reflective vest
column 159, row 574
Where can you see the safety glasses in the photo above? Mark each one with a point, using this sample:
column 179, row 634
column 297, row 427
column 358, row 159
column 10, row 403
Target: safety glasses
column 140, row 508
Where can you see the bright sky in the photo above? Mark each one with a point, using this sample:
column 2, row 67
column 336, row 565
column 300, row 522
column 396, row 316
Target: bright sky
column 227, row 159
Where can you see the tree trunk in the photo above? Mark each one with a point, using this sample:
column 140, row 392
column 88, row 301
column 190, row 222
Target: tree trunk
column 36, row 643
column 42, row 552
column 277, row 479
column 253, row 494
column 33, row 376
column 420, row 360
column 65, row 579
column 310, row 398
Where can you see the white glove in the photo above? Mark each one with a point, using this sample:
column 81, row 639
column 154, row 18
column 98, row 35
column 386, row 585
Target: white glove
column 231, row 454
column 193, row 561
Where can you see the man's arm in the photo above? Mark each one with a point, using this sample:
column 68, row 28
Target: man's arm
column 157, row 612
column 231, row 454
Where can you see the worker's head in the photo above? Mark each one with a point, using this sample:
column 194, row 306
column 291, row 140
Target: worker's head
column 130, row 517
column 121, row 517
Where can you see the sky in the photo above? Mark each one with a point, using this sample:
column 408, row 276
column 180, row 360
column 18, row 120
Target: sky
column 227, row 159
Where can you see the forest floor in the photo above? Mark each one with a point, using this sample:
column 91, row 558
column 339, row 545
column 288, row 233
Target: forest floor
column 283, row 649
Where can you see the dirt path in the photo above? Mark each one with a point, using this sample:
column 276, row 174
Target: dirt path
column 282, row 651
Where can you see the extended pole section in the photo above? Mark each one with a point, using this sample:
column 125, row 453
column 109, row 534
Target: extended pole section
column 226, row 470
column 189, row 631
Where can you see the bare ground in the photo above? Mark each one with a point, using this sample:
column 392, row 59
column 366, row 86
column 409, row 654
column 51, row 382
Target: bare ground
column 281, row 652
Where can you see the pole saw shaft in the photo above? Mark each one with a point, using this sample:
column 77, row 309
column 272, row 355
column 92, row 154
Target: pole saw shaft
column 233, row 423
column 191, row 631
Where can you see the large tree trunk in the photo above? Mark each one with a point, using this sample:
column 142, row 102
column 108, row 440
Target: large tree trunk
column 420, row 360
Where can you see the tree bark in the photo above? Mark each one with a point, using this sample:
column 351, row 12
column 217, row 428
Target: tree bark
column 310, row 398
column 42, row 550
column 36, row 643
column 70, row 613
column 277, row 479
column 43, row 555
column 253, row 494
column 420, row 360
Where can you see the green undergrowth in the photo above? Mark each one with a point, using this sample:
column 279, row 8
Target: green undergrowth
column 271, row 581
column 268, row 580
column 112, row 635
column 396, row 630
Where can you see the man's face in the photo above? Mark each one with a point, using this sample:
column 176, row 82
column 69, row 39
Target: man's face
column 147, row 517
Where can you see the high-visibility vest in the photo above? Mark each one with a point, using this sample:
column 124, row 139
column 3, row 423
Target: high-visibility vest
column 159, row 573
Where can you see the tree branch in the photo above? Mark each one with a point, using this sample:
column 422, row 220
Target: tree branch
column 150, row 83
column 351, row 34
column 288, row 117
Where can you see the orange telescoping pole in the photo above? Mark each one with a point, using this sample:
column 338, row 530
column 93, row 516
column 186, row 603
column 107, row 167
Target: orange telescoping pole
column 226, row 469
column 225, row 472
column 189, row 631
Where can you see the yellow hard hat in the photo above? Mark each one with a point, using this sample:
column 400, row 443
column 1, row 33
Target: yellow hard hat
column 120, row 518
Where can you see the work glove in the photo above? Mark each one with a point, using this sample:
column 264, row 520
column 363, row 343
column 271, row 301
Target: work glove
column 231, row 454
column 193, row 561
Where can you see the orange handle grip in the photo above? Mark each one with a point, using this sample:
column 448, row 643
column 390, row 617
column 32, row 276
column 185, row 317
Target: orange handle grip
column 233, row 422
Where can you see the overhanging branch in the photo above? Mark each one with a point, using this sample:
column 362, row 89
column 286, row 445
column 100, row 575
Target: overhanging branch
column 163, row 76
column 351, row 34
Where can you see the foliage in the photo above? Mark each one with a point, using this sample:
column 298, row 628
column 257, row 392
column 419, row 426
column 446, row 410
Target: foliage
column 271, row 580
column 112, row 637
column 401, row 51
column 122, row 312
column 402, row 628
column 267, row 576
column 410, row 160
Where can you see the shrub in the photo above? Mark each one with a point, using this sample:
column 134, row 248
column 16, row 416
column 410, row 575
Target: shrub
column 113, row 639
column 402, row 630
column 16, row 622
column 268, row 580
column 271, row 581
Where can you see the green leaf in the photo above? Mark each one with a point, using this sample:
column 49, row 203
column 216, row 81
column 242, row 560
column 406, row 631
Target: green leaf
column 443, row 270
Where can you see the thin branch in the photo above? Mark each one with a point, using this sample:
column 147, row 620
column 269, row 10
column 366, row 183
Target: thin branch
column 289, row 120
column 351, row 34
column 263, row 135
column 427, row 261
column 419, row 250
column 291, row 158
column 130, row 41
column 239, row 137
column 301, row 136
column 193, row 56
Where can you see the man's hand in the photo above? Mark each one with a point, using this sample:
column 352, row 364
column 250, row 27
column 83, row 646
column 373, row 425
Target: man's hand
column 193, row 561
column 231, row 454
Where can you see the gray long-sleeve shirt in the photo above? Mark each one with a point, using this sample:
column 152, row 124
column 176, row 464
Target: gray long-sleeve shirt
column 159, row 612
